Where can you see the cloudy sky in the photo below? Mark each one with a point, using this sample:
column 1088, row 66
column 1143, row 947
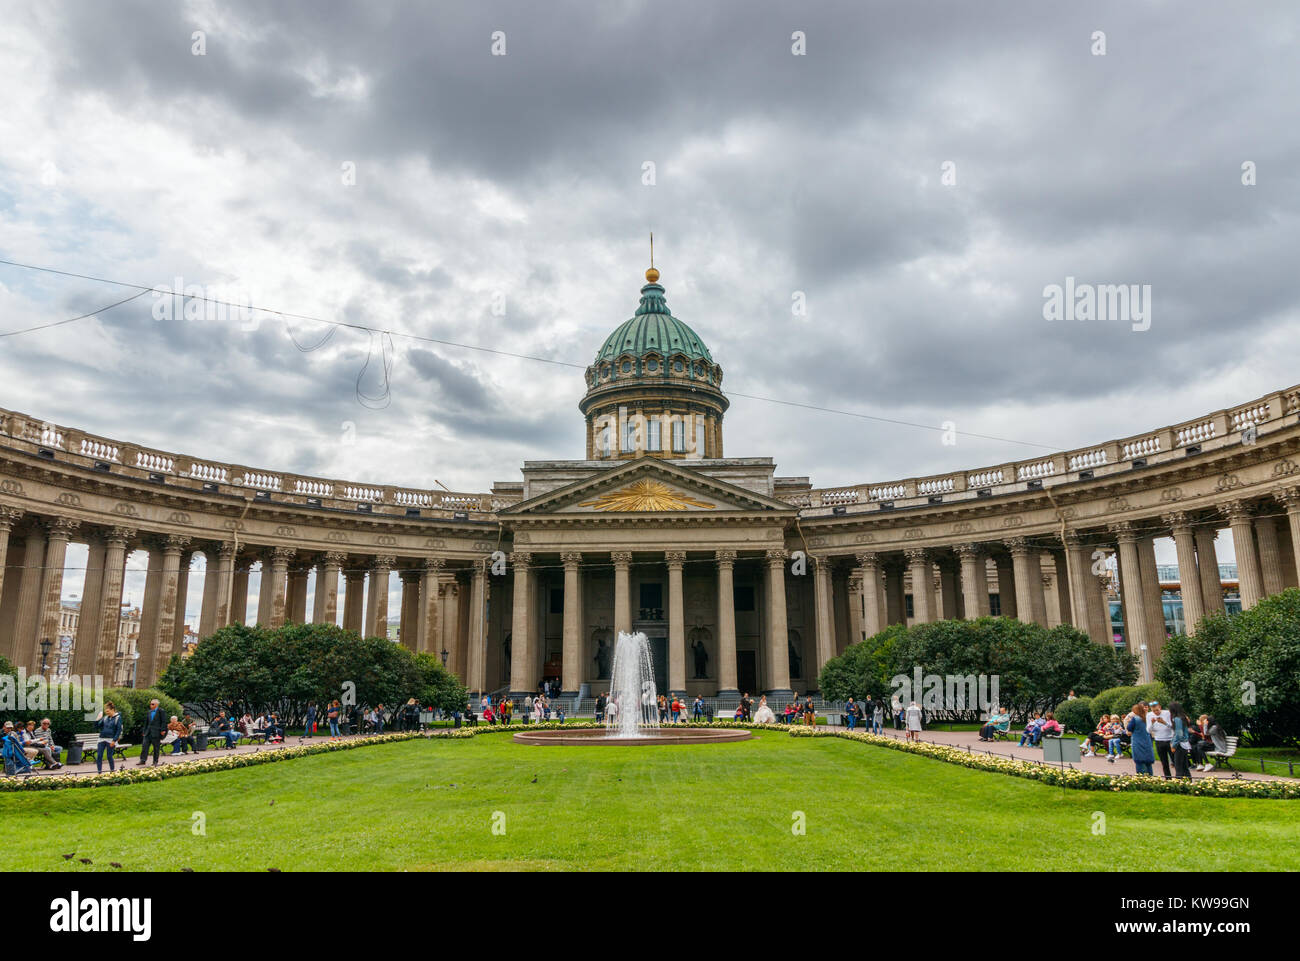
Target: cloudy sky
column 384, row 165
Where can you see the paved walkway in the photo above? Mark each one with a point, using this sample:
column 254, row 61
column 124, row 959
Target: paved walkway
column 1094, row 765
column 87, row 766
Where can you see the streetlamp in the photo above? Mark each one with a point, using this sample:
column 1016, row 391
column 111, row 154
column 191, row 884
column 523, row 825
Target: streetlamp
column 135, row 662
column 1146, row 662
column 45, row 652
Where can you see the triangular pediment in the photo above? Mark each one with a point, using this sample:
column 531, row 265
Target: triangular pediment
column 648, row 486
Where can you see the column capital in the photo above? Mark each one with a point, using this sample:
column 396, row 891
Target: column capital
column 1124, row 532
column 867, row 558
column 62, row 528
column 282, row 555
column 335, row 557
column 1017, row 545
column 7, row 517
column 1177, row 521
column 1235, row 511
column 621, row 558
column 571, row 559
column 775, row 556
column 725, row 558
column 674, row 559
column 120, row 536
column 383, row 562
column 970, row 551
column 917, row 555
column 434, row 565
column 1290, row 498
column 521, row 559
column 175, row 543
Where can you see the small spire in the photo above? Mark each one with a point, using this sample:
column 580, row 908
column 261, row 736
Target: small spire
column 652, row 275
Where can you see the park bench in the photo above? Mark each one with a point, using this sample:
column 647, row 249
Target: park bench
column 89, row 743
column 1221, row 757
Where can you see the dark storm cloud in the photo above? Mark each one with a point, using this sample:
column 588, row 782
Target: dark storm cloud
column 518, row 177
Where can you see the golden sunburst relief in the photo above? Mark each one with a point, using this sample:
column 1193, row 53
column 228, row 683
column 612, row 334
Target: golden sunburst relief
column 645, row 495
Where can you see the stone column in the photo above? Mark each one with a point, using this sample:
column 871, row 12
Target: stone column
column 182, row 599
column 56, row 552
column 895, row 594
column 1006, row 585
column 377, row 600
column 856, row 606
column 86, row 644
column 571, row 639
column 1207, row 561
column 1289, row 497
column 1084, row 590
column 726, row 623
column 428, row 639
column 778, row 642
column 278, row 588
column 1099, row 626
column 1270, row 555
column 1133, row 597
column 156, row 648
column 918, row 562
column 622, row 593
column 295, row 603
column 325, row 605
column 1061, row 586
column 1189, row 576
column 824, row 616
column 27, row 616
column 676, row 624
column 872, row 601
column 1157, row 632
column 408, row 625
column 1031, row 606
column 354, row 601
column 1243, row 540
column 449, row 602
column 974, row 580
column 239, row 590
column 949, row 589
column 110, row 600
column 211, row 590
column 476, row 645
column 8, row 515
column 521, row 649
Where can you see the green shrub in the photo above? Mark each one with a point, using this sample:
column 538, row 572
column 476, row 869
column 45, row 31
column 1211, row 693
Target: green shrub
column 1077, row 716
column 133, row 704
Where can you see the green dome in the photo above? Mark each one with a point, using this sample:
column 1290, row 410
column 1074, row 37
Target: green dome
column 653, row 328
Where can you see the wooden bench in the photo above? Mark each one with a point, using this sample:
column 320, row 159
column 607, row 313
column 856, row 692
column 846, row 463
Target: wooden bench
column 1221, row 757
column 90, row 743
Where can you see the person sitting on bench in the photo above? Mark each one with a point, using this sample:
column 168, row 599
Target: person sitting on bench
column 1032, row 732
column 183, row 743
column 998, row 720
column 15, row 758
column 42, row 739
column 221, row 727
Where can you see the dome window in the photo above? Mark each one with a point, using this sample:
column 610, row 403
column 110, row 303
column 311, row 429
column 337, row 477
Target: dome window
column 652, row 365
column 627, row 366
column 677, row 366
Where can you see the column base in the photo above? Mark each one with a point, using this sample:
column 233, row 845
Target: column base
column 573, row 694
column 728, row 692
column 780, row 692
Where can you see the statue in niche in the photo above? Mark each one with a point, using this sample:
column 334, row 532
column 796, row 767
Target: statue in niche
column 796, row 660
column 701, row 651
column 604, row 654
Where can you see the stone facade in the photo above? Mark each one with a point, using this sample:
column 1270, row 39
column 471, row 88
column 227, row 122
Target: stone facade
column 742, row 579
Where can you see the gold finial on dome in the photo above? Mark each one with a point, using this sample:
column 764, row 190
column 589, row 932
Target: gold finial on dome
column 652, row 275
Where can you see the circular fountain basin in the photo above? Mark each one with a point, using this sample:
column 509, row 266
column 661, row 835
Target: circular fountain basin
column 594, row 736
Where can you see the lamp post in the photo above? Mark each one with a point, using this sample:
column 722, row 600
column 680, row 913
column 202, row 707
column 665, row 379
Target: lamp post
column 45, row 653
column 135, row 662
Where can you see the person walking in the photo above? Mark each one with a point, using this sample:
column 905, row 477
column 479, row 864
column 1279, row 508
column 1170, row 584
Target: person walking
column 309, row 723
column 878, row 719
column 1182, row 740
column 155, row 724
column 851, row 713
column 332, row 715
column 913, row 714
column 109, row 726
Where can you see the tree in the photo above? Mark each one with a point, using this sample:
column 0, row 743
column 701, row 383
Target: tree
column 1242, row 668
column 862, row 669
column 438, row 687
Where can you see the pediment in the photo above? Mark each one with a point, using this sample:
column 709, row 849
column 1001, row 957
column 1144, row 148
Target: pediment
column 648, row 486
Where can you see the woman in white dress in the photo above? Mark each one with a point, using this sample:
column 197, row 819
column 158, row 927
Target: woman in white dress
column 913, row 722
column 764, row 713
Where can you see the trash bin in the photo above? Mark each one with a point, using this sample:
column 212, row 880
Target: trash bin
column 201, row 741
column 74, row 752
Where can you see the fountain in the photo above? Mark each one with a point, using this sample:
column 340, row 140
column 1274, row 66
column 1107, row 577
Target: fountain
column 632, row 714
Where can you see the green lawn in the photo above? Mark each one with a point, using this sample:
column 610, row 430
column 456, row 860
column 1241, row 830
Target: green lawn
column 431, row 804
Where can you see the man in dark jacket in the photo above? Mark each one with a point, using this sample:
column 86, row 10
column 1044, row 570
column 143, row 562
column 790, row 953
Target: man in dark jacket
column 155, row 725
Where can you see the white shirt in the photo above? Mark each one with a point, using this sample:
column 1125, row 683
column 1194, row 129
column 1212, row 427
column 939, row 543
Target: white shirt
column 1160, row 725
